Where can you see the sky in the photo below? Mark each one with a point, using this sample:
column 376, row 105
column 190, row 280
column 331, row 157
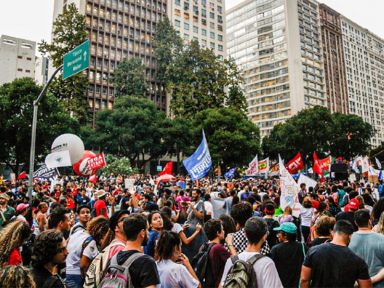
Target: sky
column 32, row 19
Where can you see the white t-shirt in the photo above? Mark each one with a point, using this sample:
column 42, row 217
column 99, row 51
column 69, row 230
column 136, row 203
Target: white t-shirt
column 74, row 249
column 91, row 250
column 208, row 208
column 306, row 216
column 266, row 273
column 176, row 228
column 174, row 275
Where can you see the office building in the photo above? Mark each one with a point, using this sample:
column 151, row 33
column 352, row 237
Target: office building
column 17, row 58
column 118, row 29
column 201, row 20
column 276, row 44
column 41, row 70
column 334, row 65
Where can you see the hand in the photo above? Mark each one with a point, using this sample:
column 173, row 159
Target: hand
column 185, row 226
column 229, row 239
column 198, row 227
column 190, row 204
column 184, row 260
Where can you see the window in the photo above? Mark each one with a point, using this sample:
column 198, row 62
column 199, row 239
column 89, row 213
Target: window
column 211, row 15
column 177, row 2
column 195, row 29
column 212, row 35
column 204, row 32
column 219, row 37
column 220, row 47
column 203, row 12
column 186, row 26
column 212, row 45
column 177, row 23
column 20, row 57
column 20, row 70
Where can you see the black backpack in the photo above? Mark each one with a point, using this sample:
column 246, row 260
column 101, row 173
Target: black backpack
column 242, row 274
column 200, row 264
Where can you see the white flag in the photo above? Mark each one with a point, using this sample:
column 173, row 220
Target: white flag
column 289, row 190
column 58, row 159
column 309, row 182
column 253, row 167
column 378, row 163
column 365, row 165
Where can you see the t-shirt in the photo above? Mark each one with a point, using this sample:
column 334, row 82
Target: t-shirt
column 306, row 216
column 192, row 219
column 370, row 247
column 15, row 257
column 74, row 248
column 265, row 269
column 143, row 270
column 176, row 228
column 218, row 256
column 288, row 258
column 175, row 275
column 149, row 249
column 99, row 205
column 335, row 266
column 318, row 241
column 272, row 237
column 208, row 208
column 42, row 276
column 91, row 250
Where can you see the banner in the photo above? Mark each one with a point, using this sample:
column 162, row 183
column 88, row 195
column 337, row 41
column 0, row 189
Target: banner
column 167, row 168
column 316, row 166
column 295, row 164
column 45, row 173
column 289, row 191
column 253, row 167
column 263, row 166
column 230, row 173
column 378, row 163
column 274, row 170
column 365, row 165
column 356, row 163
column 200, row 162
column 58, row 159
column 96, row 162
column 325, row 164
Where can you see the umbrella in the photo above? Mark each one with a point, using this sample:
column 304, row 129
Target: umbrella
column 165, row 178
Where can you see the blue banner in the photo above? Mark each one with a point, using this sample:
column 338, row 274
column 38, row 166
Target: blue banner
column 230, row 173
column 200, row 162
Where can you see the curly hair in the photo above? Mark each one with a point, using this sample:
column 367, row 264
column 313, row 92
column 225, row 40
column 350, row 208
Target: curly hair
column 98, row 227
column 19, row 276
column 11, row 237
column 46, row 246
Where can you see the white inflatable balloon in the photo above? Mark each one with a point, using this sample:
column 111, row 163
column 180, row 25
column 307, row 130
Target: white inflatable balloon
column 69, row 142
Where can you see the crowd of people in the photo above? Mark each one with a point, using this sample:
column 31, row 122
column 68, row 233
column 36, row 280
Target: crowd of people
column 210, row 233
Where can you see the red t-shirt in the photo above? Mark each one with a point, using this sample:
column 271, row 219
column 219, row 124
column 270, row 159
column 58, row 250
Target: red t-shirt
column 15, row 257
column 99, row 205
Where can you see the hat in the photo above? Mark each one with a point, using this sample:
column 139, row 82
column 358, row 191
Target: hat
column 354, row 204
column 315, row 204
column 114, row 220
column 287, row 227
column 100, row 194
column 4, row 196
column 22, row 207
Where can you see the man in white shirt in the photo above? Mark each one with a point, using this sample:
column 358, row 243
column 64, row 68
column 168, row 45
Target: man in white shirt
column 266, row 274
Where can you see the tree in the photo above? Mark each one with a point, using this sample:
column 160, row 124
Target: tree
column 232, row 139
column 16, row 100
column 69, row 31
column 129, row 78
column 236, row 98
column 134, row 129
column 117, row 166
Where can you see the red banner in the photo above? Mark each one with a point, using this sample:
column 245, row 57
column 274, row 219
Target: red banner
column 96, row 162
column 167, row 169
column 295, row 164
column 316, row 165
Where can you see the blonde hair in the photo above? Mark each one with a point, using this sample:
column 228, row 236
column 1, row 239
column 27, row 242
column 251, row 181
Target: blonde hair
column 16, row 276
column 11, row 237
column 380, row 225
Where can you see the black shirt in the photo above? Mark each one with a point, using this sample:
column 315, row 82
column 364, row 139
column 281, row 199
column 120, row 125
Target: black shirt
column 335, row 266
column 272, row 237
column 318, row 241
column 143, row 270
column 288, row 258
column 44, row 278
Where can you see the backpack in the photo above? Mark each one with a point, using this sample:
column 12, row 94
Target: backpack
column 118, row 276
column 200, row 264
column 242, row 273
column 97, row 266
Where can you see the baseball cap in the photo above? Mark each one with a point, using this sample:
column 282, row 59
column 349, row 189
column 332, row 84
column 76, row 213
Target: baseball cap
column 114, row 220
column 21, row 207
column 287, row 227
column 354, row 204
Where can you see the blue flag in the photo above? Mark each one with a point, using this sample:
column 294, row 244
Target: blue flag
column 200, row 162
column 230, row 173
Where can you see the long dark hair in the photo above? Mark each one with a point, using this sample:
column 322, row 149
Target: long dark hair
column 166, row 244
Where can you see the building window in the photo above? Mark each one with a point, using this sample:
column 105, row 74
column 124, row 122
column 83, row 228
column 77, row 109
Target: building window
column 28, row 71
column 219, row 37
column 20, row 70
column 220, row 47
column 212, row 35
column 20, row 57
column 195, row 29
column 203, row 12
column 177, row 2
column 186, row 5
column 204, row 32
column 212, row 45
column 211, row 15
column 29, row 58
column 186, row 26
column 177, row 23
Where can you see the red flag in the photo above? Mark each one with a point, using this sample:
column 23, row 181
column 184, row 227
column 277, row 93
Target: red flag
column 22, row 175
column 295, row 164
column 167, row 169
column 96, row 162
column 316, row 165
column 92, row 179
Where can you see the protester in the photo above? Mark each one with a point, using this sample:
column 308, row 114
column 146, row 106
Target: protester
column 59, row 220
column 256, row 230
column 323, row 230
column 6, row 212
column 335, row 256
column 286, row 216
column 40, row 219
column 49, row 250
column 143, row 270
column 173, row 266
column 379, row 227
column 21, row 212
column 269, row 211
column 12, row 238
column 156, row 226
column 306, row 214
column 349, row 212
column 369, row 246
column 288, row 255
column 17, row 277
column 100, row 205
column 83, row 217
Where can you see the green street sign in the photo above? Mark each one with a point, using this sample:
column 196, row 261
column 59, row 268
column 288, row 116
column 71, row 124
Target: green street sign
column 76, row 60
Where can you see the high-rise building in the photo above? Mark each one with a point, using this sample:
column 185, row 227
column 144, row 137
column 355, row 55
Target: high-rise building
column 201, row 20
column 17, row 58
column 276, row 44
column 42, row 70
column 118, row 29
column 364, row 68
column 337, row 95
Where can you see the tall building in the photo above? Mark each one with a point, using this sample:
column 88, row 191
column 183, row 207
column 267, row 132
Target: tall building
column 334, row 64
column 364, row 68
column 17, row 58
column 276, row 44
column 118, row 29
column 42, row 70
column 201, row 20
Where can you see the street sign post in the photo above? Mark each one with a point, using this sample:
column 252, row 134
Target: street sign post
column 76, row 60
